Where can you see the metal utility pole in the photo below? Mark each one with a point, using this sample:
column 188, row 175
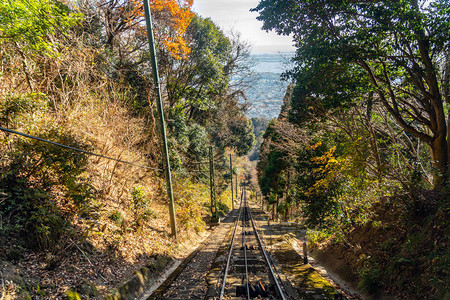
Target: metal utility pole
column 231, row 179
column 236, row 183
column 151, row 41
column 212, row 184
column 262, row 201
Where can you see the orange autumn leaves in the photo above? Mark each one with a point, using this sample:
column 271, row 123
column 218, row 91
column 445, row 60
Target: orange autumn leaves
column 181, row 16
column 171, row 18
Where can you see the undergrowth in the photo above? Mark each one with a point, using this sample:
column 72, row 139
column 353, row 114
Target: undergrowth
column 78, row 216
column 403, row 247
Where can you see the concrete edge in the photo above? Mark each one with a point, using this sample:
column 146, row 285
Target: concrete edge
column 142, row 278
column 163, row 286
column 146, row 276
column 166, row 283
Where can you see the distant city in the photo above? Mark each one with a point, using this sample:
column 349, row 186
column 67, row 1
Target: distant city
column 267, row 93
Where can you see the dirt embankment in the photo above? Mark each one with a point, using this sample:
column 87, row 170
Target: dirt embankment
column 401, row 252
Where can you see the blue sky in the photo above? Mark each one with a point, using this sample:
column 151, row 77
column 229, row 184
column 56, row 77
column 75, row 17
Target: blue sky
column 235, row 14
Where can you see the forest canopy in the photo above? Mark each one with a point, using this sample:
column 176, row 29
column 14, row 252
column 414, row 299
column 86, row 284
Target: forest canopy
column 391, row 53
column 79, row 73
column 360, row 150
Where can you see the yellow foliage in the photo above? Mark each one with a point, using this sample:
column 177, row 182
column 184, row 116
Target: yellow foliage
column 225, row 199
column 191, row 199
column 174, row 18
column 181, row 16
column 328, row 165
column 315, row 146
column 324, row 158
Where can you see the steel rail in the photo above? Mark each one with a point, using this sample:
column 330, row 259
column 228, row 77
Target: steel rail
column 244, row 221
column 245, row 216
column 222, row 290
column 269, row 264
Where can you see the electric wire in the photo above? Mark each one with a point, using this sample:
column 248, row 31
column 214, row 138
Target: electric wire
column 77, row 149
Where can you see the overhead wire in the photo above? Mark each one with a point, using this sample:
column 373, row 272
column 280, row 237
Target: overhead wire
column 95, row 154
column 77, row 149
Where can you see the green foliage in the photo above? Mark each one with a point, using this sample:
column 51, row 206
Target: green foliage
column 369, row 120
column 71, row 295
column 224, row 203
column 316, row 237
column 30, row 213
column 236, row 132
column 244, row 138
column 319, row 185
column 210, row 50
column 259, row 127
column 40, row 291
column 88, row 288
column 273, row 162
column 192, row 201
column 201, row 80
column 117, row 217
column 66, row 77
column 141, row 206
column 138, row 197
column 372, row 53
column 326, row 87
column 31, row 172
column 188, row 141
column 15, row 107
column 370, row 280
column 271, row 182
column 201, row 99
column 198, row 139
column 30, row 24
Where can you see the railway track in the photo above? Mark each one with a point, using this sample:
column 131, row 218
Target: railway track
column 248, row 272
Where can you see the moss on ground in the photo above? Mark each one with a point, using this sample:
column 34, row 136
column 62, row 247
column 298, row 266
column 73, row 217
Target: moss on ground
column 305, row 279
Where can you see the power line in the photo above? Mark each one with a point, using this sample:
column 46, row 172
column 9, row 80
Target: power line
column 76, row 149
column 99, row 155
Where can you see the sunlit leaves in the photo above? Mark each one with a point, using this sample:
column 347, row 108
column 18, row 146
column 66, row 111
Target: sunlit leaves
column 172, row 20
column 33, row 23
column 349, row 50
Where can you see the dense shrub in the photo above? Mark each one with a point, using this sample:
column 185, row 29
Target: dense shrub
column 43, row 188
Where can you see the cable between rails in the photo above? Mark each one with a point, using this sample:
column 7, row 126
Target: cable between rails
column 230, row 250
column 268, row 260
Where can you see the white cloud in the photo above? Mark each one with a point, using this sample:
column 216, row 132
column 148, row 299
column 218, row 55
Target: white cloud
column 235, row 14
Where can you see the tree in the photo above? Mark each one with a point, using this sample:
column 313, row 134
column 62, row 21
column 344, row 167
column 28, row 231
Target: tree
column 31, row 29
column 393, row 49
column 278, row 156
column 124, row 23
column 200, row 89
column 197, row 82
column 30, row 25
column 259, row 127
column 242, row 136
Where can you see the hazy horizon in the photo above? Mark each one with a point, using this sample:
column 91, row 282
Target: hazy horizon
column 235, row 15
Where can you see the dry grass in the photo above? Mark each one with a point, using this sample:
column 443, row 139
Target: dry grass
column 108, row 247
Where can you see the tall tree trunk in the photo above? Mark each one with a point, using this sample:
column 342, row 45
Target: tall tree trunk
column 446, row 92
column 439, row 146
column 439, row 157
